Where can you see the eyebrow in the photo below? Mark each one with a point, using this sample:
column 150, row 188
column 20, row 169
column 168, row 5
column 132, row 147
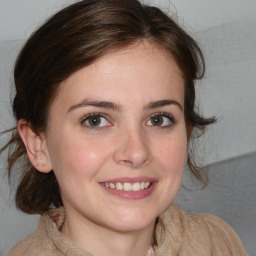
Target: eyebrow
column 96, row 103
column 162, row 103
column 118, row 107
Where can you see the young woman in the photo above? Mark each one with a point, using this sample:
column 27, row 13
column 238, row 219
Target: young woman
column 105, row 108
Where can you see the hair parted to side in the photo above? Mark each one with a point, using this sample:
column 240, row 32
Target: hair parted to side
column 76, row 37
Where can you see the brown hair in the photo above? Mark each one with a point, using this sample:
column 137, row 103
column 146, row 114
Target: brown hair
column 70, row 40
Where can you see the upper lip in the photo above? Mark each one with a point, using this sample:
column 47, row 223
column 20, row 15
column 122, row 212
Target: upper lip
column 130, row 180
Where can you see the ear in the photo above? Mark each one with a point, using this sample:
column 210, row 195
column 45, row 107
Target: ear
column 36, row 147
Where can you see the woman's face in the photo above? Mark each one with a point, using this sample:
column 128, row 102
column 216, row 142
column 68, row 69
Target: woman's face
column 116, row 138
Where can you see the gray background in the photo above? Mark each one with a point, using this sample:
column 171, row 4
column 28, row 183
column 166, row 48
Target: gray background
column 226, row 30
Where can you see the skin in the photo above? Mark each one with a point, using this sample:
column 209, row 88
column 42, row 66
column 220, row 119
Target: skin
column 125, row 144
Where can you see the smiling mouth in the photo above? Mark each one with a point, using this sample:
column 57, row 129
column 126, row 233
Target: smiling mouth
column 126, row 186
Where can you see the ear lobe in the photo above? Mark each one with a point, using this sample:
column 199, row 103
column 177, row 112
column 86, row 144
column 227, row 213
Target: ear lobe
column 36, row 147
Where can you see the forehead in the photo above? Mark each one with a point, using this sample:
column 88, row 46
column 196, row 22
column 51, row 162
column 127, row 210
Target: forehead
column 140, row 69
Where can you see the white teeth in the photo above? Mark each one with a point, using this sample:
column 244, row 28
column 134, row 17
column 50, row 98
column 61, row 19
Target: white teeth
column 126, row 186
column 119, row 186
column 112, row 185
column 136, row 186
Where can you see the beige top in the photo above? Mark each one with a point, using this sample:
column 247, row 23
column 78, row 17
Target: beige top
column 178, row 233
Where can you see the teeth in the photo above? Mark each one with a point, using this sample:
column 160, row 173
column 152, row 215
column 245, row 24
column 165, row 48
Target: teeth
column 126, row 186
column 119, row 186
column 147, row 184
column 136, row 186
column 111, row 185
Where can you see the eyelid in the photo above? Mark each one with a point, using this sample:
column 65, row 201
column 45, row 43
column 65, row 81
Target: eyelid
column 86, row 117
column 105, row 116
column 163, row 114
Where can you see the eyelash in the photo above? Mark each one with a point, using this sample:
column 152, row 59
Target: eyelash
column 93, row 115
column 162, row 115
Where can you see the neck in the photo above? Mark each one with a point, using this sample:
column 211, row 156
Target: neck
column 102, row 241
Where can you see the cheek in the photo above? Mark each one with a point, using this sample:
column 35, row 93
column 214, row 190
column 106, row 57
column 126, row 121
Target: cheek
column 172, row 156
column 76, row 158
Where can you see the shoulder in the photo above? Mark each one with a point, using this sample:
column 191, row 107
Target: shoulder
column 33, row 245
column 36, row 244
column 203, row 234
column 24, row 247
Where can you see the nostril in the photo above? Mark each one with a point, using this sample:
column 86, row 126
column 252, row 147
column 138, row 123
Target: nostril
column 132, row 152
column 133, row 164
column 126, row 162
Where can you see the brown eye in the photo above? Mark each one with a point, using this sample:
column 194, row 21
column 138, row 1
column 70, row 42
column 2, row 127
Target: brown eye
column 160, row 120
column 157, row 120
column 95, row 120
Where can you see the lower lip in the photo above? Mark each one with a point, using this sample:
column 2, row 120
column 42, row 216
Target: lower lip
column 132, row 195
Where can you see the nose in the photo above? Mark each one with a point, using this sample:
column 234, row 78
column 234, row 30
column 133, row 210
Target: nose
column 132, row 149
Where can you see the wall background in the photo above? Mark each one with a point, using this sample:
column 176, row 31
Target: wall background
column 226, row 31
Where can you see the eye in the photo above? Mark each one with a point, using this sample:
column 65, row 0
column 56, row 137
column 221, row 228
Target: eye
column 160, row 120
column 95, row 120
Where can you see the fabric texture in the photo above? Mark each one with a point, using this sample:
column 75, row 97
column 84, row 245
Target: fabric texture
column 177, row 233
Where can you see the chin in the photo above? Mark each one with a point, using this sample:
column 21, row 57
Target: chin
column 133, row 221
